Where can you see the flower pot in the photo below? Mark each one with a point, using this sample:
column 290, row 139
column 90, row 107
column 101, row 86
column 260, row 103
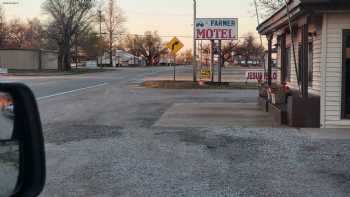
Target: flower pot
column 278, row 98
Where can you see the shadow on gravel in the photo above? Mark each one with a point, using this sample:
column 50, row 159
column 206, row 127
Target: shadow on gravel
column 63, row 133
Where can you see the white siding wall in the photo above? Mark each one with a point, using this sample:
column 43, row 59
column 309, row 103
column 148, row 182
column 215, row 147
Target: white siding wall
column 332, row 63
column 28, row 59
column 293, row 79
column 49, row 60
column 278, row 64
column 317, row 45
column 19, row 59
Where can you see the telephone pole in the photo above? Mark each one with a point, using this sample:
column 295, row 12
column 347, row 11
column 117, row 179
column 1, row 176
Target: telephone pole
column 194, row 62
column 99, row 59
column 111, row 30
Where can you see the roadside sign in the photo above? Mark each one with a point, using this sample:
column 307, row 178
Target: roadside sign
column 259, row 75
column 175, row 45
column 206, row 74
column 216, row 29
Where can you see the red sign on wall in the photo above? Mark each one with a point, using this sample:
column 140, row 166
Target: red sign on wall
column 258, row 75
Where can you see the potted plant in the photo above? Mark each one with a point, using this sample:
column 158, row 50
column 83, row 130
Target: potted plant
column 277, row 93
column 263, row 90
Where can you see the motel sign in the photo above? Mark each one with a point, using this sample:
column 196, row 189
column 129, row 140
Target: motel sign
column 216, row 29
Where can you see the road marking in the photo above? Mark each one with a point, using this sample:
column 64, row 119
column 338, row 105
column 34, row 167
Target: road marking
column 71, row 91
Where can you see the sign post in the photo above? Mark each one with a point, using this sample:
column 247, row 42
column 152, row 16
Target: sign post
column 216, row 29
column 175, row 45
column 212, row 60
column 220, row 62
column 174, row 67
column 194, row 61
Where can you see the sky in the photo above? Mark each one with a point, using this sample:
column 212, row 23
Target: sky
column 168, row 17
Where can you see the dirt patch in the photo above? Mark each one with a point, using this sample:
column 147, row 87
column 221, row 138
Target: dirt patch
column 198, row 85
column 61, row 133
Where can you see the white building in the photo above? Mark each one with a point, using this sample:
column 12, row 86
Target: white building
column 28, row 59
column 123, row 58
column 321, row 35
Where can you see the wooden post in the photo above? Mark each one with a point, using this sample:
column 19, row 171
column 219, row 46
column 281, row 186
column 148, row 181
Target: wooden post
column 305, row 60
column 269, row 59
column 284, row 63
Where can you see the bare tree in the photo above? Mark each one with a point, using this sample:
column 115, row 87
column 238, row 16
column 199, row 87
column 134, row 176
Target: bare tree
column 114, row 21
column 34, row 34
column 267, row 7
column 184, row 57
column 19, row 34
column 15, row 34
column 249, row 49
column 67, row 18
column 228, row 50
column 91, row 44
column 2, row 28
column 149, row 46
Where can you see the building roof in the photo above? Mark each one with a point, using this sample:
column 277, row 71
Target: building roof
column 298, row 8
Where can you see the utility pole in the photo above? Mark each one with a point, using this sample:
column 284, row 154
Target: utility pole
column 99, row 62
column 111, row 29
column 194, row 62
column 212, row 60
column 76, row 52
column 261, row 41
column 258, row 19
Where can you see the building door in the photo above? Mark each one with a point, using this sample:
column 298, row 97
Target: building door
column 346, row 75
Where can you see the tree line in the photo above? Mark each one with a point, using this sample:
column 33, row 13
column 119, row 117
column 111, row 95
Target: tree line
column 94, row 27
column 72, row 24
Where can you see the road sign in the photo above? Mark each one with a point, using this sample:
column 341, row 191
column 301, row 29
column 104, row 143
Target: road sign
column 175, row 45
column 216, row 29
column 205, row 74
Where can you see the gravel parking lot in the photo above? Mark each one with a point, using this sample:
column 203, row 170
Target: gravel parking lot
column 104, row 141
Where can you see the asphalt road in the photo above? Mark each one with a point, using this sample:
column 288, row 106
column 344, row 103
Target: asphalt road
column 101, row 140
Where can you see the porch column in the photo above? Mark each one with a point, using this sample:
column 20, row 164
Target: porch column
column 305, row 59
column 269, row 59
column 283, row 58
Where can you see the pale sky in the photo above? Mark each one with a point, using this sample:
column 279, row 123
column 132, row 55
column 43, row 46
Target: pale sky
column 169, row 17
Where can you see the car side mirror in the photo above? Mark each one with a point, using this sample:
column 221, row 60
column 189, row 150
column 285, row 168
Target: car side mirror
column 22, row 154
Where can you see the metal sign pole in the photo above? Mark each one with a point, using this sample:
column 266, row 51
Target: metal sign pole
column 174, row 67
column 212, row 60
column 220, row 62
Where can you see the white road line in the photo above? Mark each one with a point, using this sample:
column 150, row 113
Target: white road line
column 71, row 91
